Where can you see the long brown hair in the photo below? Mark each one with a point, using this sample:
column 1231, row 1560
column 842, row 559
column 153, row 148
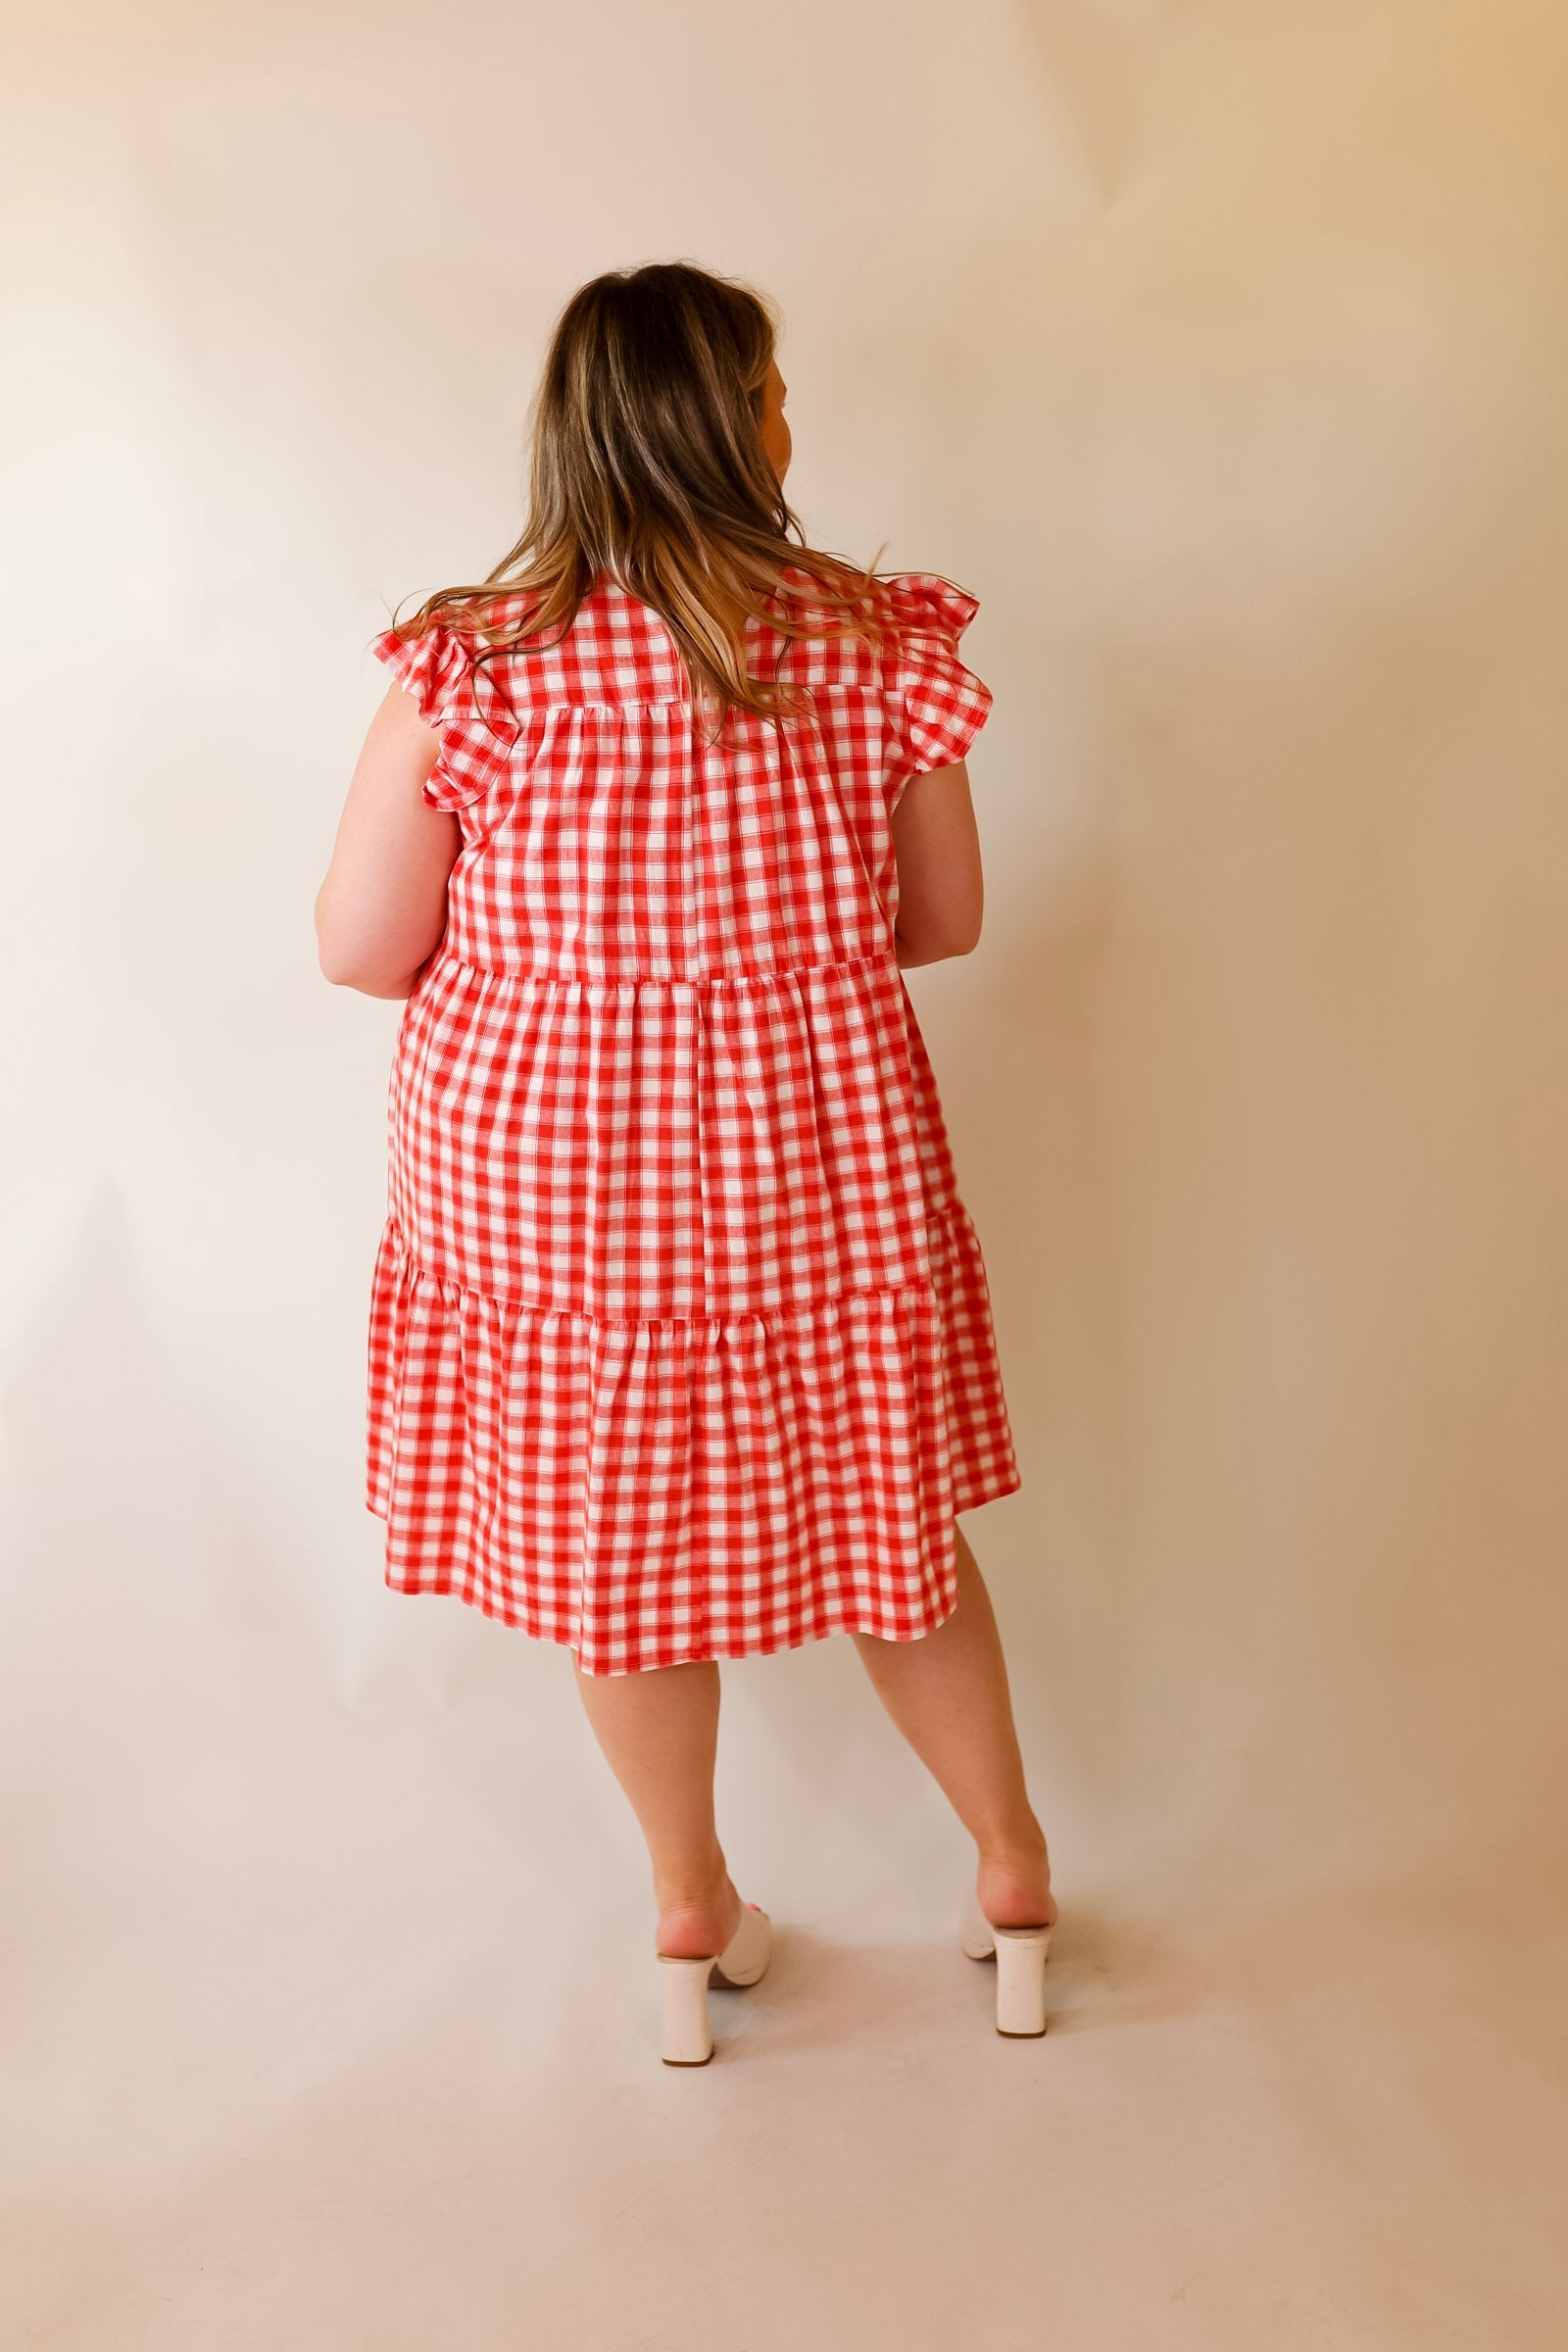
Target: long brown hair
column 648, row 462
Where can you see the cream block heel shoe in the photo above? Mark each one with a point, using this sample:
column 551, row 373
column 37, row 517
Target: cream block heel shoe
column 1020, row 1968
column 688, row 2040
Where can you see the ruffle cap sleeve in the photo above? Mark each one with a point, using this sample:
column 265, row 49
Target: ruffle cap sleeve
column 466, row 705
column 941, row 705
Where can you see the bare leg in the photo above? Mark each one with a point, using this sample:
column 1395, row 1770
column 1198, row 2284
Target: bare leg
column 947, row 1693
column 659, row 1734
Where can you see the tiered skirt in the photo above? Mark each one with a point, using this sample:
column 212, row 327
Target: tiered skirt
column 591, row 1422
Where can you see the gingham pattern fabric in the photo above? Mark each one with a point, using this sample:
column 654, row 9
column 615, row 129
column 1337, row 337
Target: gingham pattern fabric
column 680, row 1344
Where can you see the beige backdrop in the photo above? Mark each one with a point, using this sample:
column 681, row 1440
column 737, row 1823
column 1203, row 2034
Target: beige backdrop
column 1218, row 346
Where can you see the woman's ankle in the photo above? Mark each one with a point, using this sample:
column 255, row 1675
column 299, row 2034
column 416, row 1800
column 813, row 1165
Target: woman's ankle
column 1020, row 1845
column 1012, row 1877
column 692, row 1884
column 696, row 1920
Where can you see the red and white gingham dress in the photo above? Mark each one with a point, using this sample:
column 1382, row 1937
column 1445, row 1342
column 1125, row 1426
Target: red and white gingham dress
column 680, row 1344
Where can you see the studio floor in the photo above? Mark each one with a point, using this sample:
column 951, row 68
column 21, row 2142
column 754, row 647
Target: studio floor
column 1326, row 2123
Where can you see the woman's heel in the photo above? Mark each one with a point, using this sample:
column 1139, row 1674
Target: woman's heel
column 1021, row 1955
column 688, row 2036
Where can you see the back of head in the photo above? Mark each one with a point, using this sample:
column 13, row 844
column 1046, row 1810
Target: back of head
column 649, row 465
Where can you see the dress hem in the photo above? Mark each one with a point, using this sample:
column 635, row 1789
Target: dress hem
column 843, row 1621
column 539, row 1464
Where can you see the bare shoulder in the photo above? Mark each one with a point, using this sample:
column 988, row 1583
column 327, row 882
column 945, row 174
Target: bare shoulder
column 397, row 716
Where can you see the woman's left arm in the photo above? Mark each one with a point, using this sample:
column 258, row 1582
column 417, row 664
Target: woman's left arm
column 381, row 911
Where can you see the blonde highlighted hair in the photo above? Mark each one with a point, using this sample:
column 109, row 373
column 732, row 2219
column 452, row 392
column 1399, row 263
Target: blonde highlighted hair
column 648, row 464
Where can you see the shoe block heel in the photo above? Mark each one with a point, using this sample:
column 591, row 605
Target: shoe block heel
column 1021, row 1980
column 1020, row 1957
column 688, row 2036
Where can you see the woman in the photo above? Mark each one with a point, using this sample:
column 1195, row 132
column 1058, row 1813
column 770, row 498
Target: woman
column 680, row 1341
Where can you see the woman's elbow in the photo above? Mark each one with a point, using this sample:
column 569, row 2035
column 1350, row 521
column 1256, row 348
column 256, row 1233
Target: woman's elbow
column 367, row 978
column 369, row 983
column 336, row 966
column 339, row 954
column 349, row 960
column 936, row 947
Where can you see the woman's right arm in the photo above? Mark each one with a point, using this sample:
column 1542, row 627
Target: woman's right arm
column 936, row 844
